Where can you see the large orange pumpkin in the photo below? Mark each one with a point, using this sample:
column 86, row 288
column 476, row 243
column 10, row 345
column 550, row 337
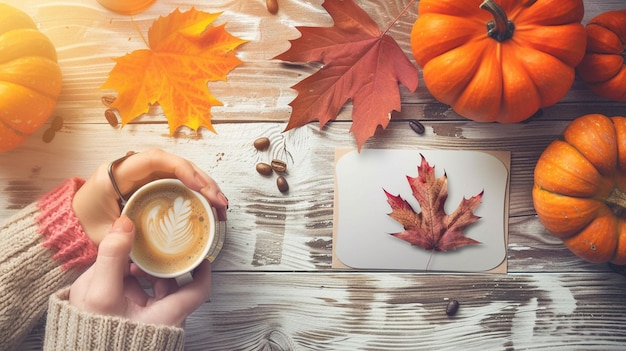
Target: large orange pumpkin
column 498, row 61
column 603, row 67
column 580, row 188
column 30, row 77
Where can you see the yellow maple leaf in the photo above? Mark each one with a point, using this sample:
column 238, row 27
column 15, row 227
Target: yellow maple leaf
column 184, row 53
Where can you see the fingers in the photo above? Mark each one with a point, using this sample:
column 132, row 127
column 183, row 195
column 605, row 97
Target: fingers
column 105, row 294
column 153, row 164
column 189, row 297
column 161, row 287
column 212, row 192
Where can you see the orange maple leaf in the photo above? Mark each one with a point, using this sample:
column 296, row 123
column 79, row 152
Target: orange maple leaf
column 433, row 229
column 359, row 62
column 184, row 53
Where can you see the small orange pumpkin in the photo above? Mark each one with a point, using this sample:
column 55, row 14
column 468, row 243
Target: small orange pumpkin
column 580, row 188
column 603, row 67
column 127, row 7
column 502, row 64
column 30, row 77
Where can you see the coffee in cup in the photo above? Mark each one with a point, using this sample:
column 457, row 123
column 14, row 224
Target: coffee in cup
column 174, row 229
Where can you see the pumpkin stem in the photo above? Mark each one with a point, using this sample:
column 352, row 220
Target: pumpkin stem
column 501, row 28
column 617, row 202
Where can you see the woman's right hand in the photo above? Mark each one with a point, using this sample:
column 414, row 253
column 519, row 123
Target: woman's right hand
column 110, row 286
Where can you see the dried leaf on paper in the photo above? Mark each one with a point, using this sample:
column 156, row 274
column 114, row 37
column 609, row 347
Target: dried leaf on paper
column 432, row 228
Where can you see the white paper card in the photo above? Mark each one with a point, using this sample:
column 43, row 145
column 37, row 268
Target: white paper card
column 363, row 228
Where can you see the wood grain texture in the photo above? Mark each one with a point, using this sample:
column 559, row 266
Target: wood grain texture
column 404, row 311
column 274, row 288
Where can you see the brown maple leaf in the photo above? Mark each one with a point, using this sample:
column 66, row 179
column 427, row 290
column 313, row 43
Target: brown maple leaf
column 433, row 229
column 185, row 52
column 359, row 62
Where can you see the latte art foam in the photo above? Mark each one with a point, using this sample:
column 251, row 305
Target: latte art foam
column 172, row 229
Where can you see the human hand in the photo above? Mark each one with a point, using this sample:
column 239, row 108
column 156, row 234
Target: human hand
column 96, row 202
column 110, row 285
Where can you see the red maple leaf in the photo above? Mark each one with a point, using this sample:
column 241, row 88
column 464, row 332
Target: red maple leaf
column 359, row 62
column 433, row 229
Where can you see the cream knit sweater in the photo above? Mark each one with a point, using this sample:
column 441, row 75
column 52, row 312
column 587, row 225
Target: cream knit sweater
column 43, row 249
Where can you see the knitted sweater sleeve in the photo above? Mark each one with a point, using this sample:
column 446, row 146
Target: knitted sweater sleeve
column 42, row 248
column 68, row 328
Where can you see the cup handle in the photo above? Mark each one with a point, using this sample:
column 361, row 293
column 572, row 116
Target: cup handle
column 184, row 279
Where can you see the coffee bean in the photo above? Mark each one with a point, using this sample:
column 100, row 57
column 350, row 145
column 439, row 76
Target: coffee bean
column 107, row 100
column 272, row 6
column 111, row 117
column 452, row 308
column 48, row 135
column 282, row 184
column 264, row 168
column 417, row 126
column 262, row 144
column 279, row 166
column 57, row 123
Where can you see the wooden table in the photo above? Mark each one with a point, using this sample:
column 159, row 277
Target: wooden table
column 274, row 287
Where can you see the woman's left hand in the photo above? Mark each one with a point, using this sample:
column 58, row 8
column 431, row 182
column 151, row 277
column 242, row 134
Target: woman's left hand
column 96, row 202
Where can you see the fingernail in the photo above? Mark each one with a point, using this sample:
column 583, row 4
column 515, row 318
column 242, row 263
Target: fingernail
column 223, row 199
column 122, row 224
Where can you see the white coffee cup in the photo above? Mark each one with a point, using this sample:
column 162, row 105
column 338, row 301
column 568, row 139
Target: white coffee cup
column 176, row 229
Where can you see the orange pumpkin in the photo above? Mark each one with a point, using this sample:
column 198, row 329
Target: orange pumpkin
column 603, row 67
column 498, row 61
column 580, row 188
column 127, row 7
column 30, row 77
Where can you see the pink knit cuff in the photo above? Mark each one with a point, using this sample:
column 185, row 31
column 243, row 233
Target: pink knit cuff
column 64, row 235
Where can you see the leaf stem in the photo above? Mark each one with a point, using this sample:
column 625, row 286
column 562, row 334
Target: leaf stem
column 429, row 258
column 405, row 9
column 132, row 19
